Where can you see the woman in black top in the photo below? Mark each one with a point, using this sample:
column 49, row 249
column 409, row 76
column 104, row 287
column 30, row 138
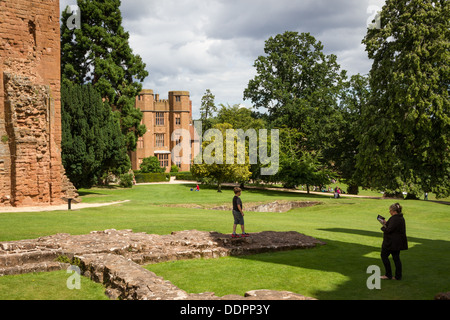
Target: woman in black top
column 394, row 241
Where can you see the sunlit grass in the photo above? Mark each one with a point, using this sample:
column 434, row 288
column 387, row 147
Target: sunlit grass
column 334, row 271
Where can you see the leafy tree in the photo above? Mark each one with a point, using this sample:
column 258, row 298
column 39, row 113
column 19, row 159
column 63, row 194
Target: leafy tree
column 207, row 109
column 299, row 85
column 99, row 53
column 242, row 118
column 92, row 142
column 219, row 171
column 239, row 118
column 299, row 166
column 126, row 180
column 405, row 143
column 305, row 170
column 345, row 142
column 151, row 165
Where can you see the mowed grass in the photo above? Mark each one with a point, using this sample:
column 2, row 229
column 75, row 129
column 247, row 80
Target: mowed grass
column 331, row 272
column 48, row 286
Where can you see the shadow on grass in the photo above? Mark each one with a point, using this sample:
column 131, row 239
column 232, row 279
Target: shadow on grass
column 84, row 193
column 97, row 190
column 425, row 267
column 265, row 192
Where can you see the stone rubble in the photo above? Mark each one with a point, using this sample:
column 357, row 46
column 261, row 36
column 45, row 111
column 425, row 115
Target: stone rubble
column 115, row 258
column 442, row 296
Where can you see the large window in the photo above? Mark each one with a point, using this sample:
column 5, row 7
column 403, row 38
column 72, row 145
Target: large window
column 163, row 160
column 159, row 141
column 160, row 118
column 140, row 143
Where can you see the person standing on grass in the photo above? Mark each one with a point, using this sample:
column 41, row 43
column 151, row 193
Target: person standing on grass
column 394, row 241
column 238, row 213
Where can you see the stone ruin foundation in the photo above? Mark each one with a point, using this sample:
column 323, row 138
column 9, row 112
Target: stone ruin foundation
column 115, row 259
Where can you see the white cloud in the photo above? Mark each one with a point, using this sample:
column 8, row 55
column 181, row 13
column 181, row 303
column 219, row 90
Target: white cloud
column 195, row 45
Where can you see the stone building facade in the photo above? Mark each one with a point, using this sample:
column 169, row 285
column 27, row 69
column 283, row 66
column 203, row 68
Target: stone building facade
column 162, row 118
column 31, row 170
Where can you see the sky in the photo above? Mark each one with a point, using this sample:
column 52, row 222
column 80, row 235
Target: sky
column 194, row 45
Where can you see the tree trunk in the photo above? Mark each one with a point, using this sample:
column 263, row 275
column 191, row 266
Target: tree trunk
column 353, row 189
column 411, row 196
column 396, row 195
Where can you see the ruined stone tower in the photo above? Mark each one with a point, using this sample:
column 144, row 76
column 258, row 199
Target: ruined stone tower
column 31, row 171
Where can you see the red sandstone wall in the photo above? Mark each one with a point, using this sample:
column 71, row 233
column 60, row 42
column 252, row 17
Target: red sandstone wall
column 30, row 120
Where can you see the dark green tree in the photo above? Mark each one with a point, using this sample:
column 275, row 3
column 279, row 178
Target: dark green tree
column 405, row 142
column 99, row 53
column 207, row 110
column 92, row 142
column 299, row 86
column 345, row 142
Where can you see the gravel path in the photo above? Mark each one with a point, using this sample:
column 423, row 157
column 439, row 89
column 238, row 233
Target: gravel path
column 64, row 207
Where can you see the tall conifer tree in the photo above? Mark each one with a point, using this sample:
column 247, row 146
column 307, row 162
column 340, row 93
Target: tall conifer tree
column 98, row 52
column 92, row 144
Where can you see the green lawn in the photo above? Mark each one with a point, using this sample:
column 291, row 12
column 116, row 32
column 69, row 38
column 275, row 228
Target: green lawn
column 48, row 286
column 335, row 271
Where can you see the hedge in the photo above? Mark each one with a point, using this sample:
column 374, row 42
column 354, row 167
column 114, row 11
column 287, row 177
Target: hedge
column 152, row 177
column 185, row 176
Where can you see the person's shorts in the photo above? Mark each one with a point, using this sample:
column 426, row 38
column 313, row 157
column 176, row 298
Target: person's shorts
column 238, row 218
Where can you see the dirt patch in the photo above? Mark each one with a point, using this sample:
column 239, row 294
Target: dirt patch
column 277, row 206
column 182, row 205
column 63, row 207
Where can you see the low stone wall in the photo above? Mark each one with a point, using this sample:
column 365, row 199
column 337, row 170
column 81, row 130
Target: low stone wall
column 114, row 258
